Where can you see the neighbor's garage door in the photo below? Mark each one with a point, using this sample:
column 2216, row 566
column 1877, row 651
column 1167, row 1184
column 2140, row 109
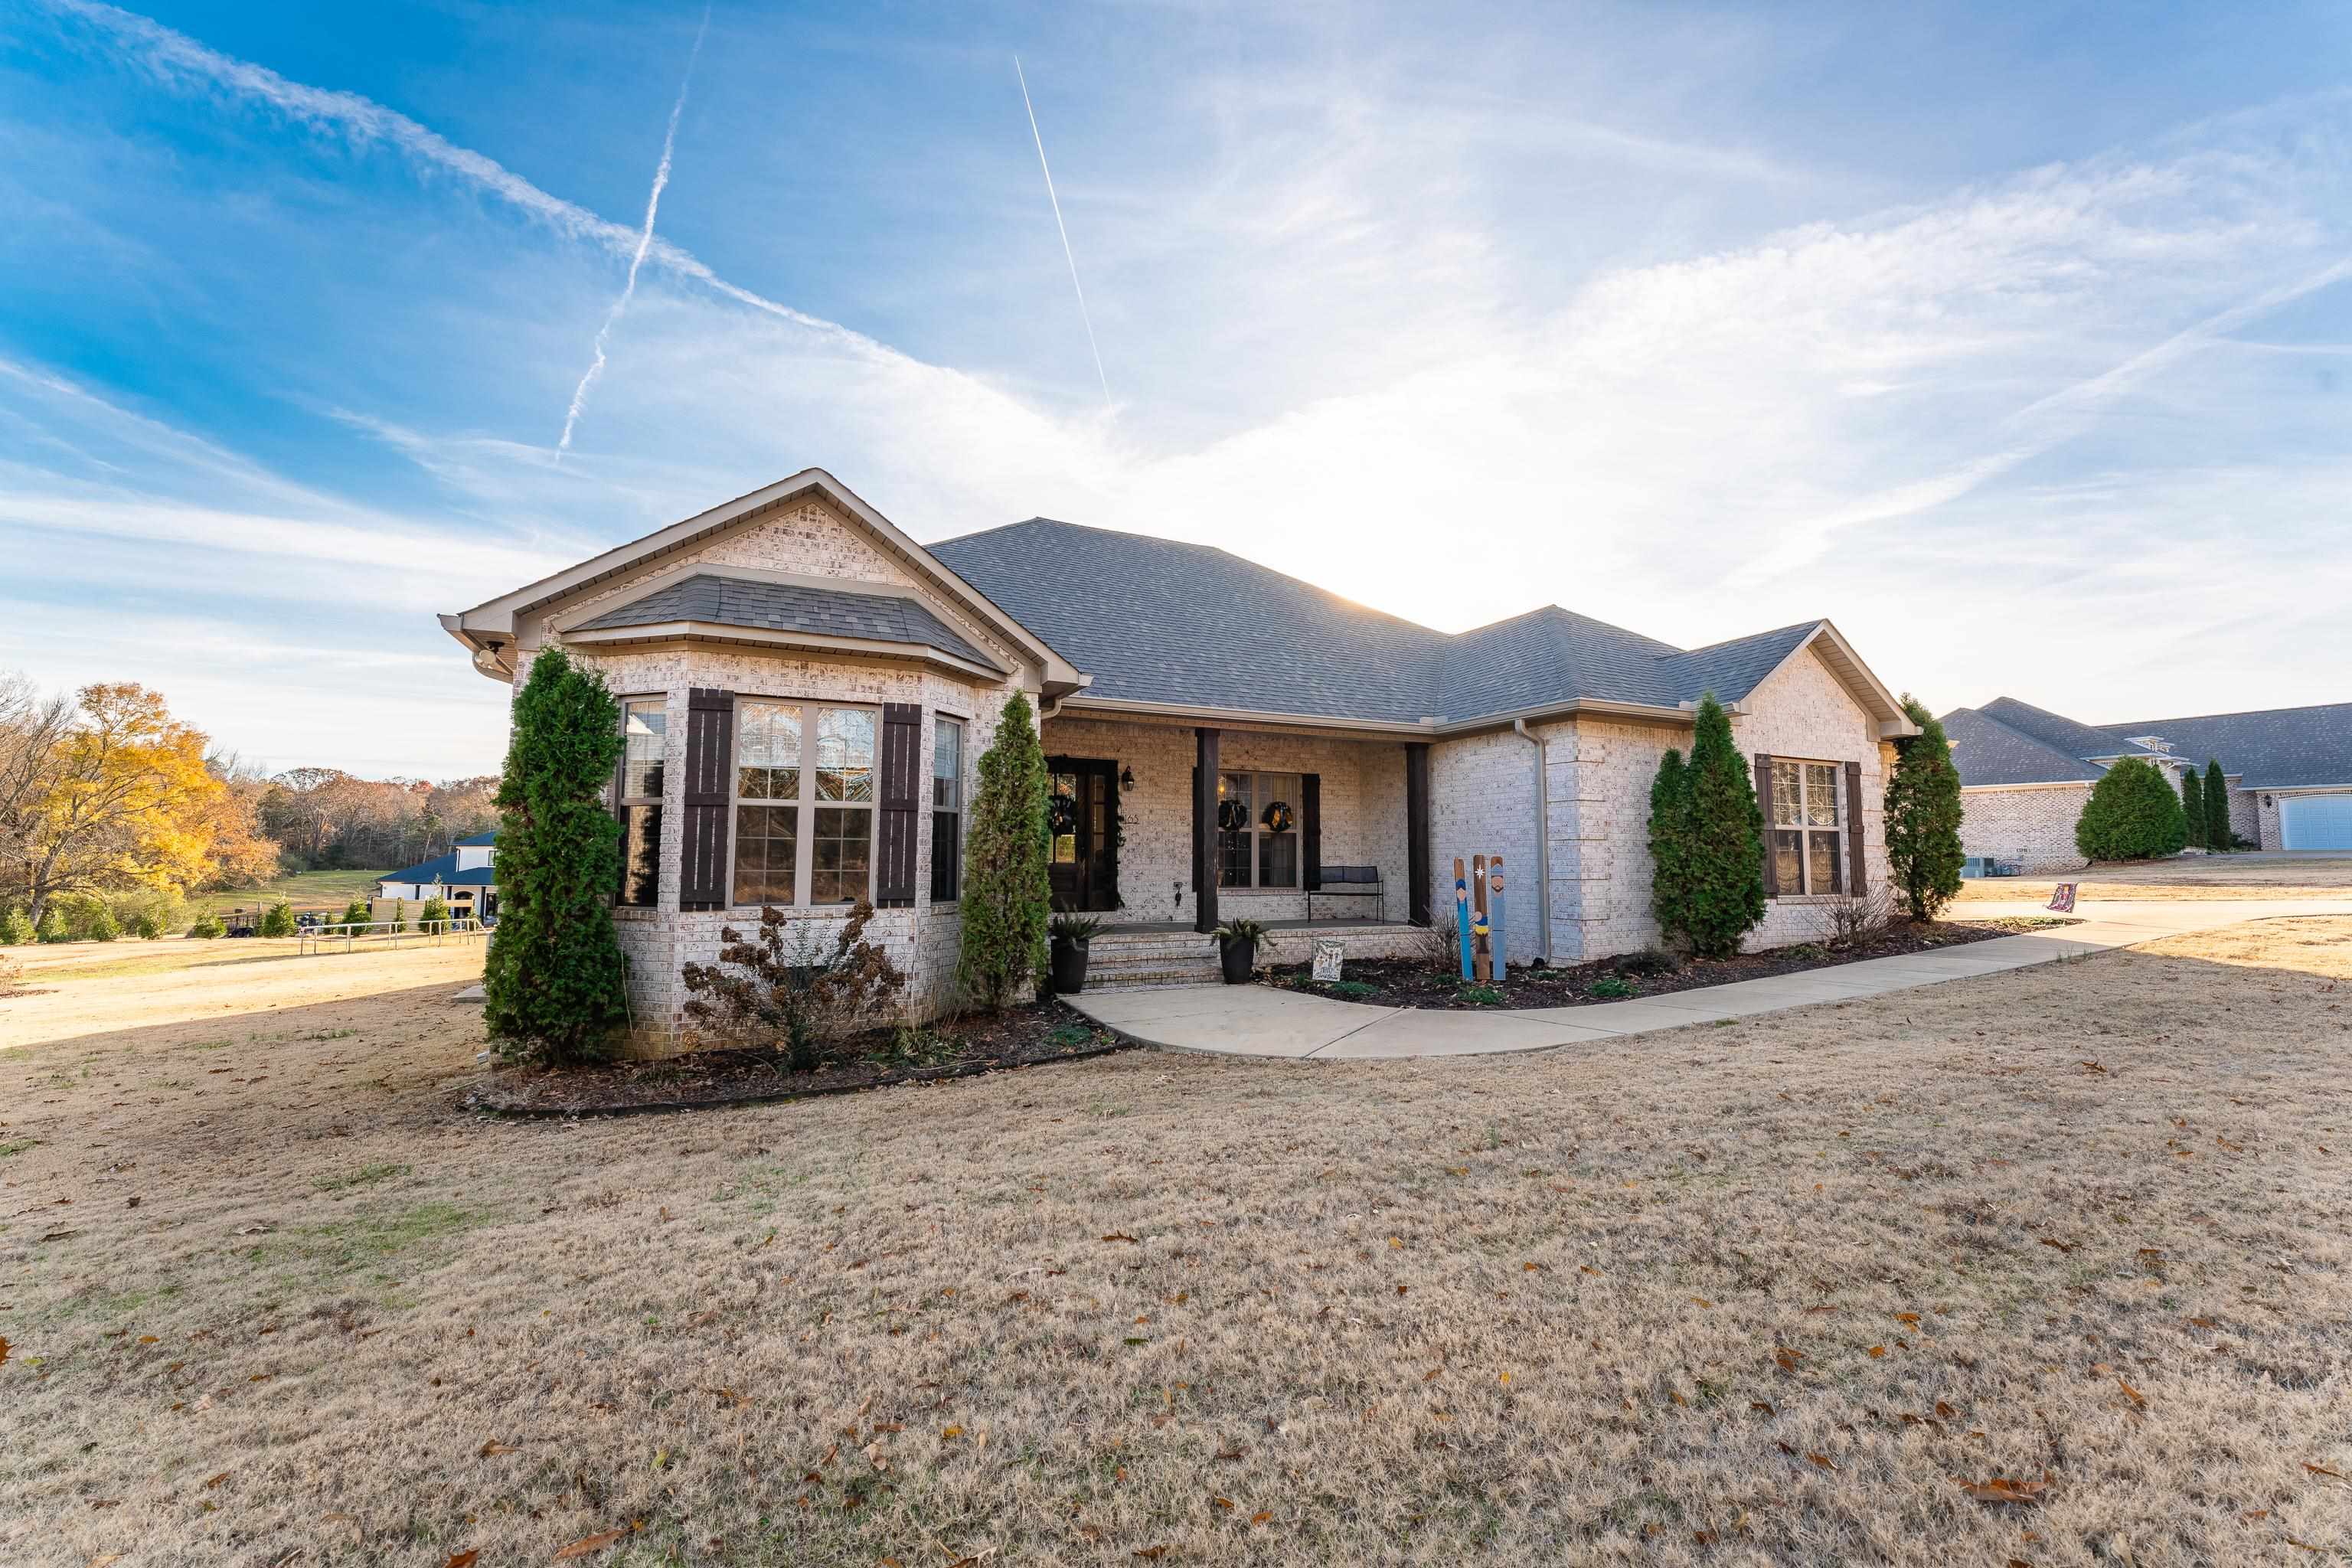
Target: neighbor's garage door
column 2316, row 821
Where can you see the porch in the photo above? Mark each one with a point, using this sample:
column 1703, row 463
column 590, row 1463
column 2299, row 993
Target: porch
column 1163, row 827
column 1132, row 954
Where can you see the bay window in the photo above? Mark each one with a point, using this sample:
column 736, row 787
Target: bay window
column 1807, row 828
column 804, row 792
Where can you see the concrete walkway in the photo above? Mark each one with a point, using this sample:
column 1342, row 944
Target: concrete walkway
column 1260, row 1021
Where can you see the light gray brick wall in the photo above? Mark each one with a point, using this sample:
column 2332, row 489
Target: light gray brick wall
column 1482, row 801
column 2034, row 826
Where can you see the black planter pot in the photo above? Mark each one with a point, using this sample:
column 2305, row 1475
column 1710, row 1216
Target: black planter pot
column 1069, row 966
column 1239, row 959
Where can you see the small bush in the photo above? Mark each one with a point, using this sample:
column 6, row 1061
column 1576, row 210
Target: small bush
column 208, row 927
column 1849, row 920
column 147, row 925
column 16, row 931
column 1483, row 995
column 2215, row 794
column 913, row 1045
column 435, row 908
column 791, row 986
column 1348, row 990
column 98, row 923
column 2132, row 815
column 279, row 921
column 1649, row 960
column 53, row 927
column 1007, row 894
column 1613, row 985
column 399, row 915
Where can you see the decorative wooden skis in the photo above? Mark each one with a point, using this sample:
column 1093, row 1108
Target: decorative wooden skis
column 1478, row 919
column 1499, row 941
column 1461, row 916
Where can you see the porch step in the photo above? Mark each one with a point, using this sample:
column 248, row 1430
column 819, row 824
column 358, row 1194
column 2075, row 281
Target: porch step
column 1109, row 949
column 1131, row 961
column 1146, row 979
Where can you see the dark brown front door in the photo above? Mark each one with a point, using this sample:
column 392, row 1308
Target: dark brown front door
column 1084, row 864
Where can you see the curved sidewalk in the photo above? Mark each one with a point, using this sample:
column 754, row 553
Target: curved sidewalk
column 1260, row 1021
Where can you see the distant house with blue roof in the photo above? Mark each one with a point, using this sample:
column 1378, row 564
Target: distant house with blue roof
column 465, row 877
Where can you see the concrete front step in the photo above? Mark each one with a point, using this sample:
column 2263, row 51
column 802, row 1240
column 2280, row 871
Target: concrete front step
column 1148, row 979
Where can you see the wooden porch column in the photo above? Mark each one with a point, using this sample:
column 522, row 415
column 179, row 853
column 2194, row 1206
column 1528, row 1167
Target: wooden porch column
column 1417, row 832
column 1204, row 831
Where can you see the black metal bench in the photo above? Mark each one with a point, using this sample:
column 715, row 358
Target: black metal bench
column 1350, row 882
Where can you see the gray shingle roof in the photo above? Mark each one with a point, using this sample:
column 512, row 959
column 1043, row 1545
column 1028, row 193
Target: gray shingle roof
column 2059, row 732
column 1987, row 751
column 443, row 868
column 1153, row 620
column 791, row 607
column 2273, row 747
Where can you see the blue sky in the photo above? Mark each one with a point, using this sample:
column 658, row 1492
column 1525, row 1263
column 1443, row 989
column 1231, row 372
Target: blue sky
column 2015, row 343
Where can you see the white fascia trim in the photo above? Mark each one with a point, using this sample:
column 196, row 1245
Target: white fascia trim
column 497, row 615
column 760, row 636
column 2297, row 789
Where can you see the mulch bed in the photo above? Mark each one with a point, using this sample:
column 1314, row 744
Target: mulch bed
column 1414, row 982
column 1032, row 1035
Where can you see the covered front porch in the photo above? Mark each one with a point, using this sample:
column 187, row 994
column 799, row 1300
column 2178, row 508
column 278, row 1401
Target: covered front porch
column 1164, row 825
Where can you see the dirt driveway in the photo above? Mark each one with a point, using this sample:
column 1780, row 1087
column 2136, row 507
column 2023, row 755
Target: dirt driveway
column 2045, row 1267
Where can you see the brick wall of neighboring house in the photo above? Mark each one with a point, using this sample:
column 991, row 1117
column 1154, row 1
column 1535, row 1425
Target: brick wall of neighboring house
column 2266, row 823
column 2033, row 824
column 2246, row 814
column 1363, row 814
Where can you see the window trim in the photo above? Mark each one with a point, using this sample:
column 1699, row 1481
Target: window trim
column 1806, row 831
column 804, row 806
column 1257, row 830
column 624, row 801
column 952, row 862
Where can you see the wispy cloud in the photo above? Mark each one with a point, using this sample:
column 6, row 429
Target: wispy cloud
column 645, row 242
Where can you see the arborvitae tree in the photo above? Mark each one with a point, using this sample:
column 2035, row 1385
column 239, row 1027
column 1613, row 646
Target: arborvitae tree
column 52, row 927
column 15, row 929
column 399, row 915
column 1670, row 846
column 1923, row 817
column 435, row 915
column 208, row 927
column 1007, row 898
column 279, row 921
column 1726, row 860
column 2193, row 808
column 2218, row 835
column 2132, row 815
column 552, row 982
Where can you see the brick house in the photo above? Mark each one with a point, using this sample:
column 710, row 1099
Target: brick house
column 2026, row 773
column 807, row 691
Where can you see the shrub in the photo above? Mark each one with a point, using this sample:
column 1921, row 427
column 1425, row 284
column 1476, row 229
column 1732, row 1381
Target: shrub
column 1854, row 919
column 1669, row 846
column 1612, row 986
column 792, row 986
column 1649, row 960
column 2218, row 835
column 554, row 981
column 437, row 908
column 357, row 913
column 399, row 915
column 97, row 922
column 15, row 929
column 279, row 921
column 147, row 925
column 2132, row 815
column 1483, row 995
column 1726, row 887
column 1348, row 990
column 2193, row 807
column 52, row 927
column 1006, row 894
column 1923, row 817
column 208, row 927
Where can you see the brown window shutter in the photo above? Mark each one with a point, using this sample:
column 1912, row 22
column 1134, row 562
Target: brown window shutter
column 704, row 869
column 1764, row 803
column 1310, row 831
column 1857, row 852
column 902, row 757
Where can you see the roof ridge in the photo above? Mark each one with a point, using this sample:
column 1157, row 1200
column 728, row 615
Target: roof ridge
column 2233, row 713
column 1751, row 636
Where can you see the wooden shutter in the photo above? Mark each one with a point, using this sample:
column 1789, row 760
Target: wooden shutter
column 1310, row 831
column 705, row 871
column 1857, row 854
column 902, row 757
column 1764, row 803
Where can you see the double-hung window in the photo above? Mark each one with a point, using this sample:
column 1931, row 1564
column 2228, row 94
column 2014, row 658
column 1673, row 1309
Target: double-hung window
column 644, row 724
column 947, row 808
column 803, row 803
column 1807, row 828
column 1257, row 830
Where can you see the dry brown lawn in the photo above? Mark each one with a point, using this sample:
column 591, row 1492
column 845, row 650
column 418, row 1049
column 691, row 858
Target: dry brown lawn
column 1765, row 1292
column 2191, row 877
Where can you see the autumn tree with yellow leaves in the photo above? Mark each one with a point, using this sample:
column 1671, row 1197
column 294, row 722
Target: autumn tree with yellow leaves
column 109, row 793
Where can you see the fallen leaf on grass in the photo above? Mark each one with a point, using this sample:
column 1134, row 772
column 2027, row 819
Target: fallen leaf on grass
column 1531, row 1267
column 1222, row 1501
column 1121, row 1236
column 3, row 1349
column 1759, row 1404
column 216, row 1480
column 588, row 1545
column 1701, row 1301
column 1787, row 1358
column 494, row 1447
column 1262, row 1516
column 2129, row 1392
column 2321, row 1470
column 149, row 1340
column 1823, row 1460
column 461, row 1560
column 2000, row 1488
column 2061, row 1246
column 1908, row 1319
column 1878, row 1351
column 950, row 1433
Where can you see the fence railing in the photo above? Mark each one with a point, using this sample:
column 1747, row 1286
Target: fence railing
column 348, row 936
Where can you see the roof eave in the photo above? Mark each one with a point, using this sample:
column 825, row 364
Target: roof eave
column 765, row 637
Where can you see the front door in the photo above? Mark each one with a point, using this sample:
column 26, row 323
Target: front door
column 1083, row 867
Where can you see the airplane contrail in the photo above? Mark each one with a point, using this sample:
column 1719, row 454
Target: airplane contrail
column 1058, row 224
column 645, row 243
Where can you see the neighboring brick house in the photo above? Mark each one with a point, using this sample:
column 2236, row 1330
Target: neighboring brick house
column 2026, row 773
column 807, row 691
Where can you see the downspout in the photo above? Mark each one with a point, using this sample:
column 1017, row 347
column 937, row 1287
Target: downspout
column 1543, row 835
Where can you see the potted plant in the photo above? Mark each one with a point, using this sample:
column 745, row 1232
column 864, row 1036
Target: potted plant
column 1237, row 943
column 1071, row 934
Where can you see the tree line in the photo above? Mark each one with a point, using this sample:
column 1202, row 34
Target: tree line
column 105, row 798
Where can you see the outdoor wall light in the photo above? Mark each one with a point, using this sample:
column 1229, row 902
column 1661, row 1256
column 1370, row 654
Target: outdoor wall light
column 1127, row 778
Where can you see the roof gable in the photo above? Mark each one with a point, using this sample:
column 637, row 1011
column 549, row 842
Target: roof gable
column 718, row 599
column 2060, row 733
column 1988, row 752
